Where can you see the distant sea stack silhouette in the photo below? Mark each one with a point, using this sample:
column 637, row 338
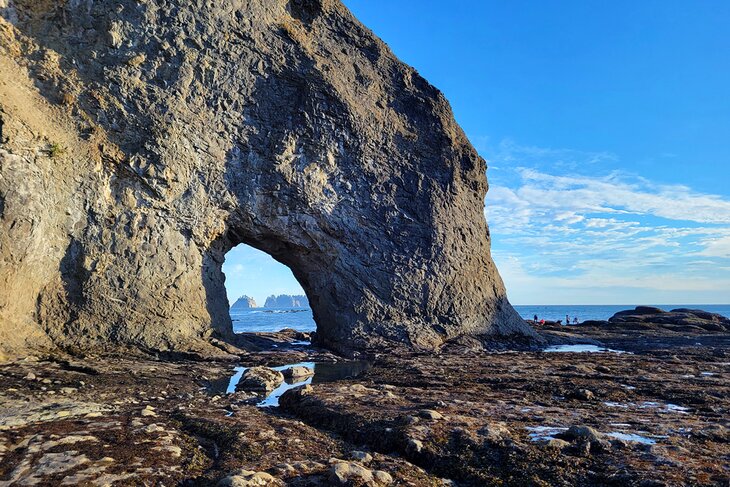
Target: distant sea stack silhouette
column 286, row 301
column 244, row 302
column 126, row 176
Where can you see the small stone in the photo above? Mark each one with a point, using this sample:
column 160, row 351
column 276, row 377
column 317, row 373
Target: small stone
column 430, row 414
column 361, row 456
column 584, row 394
column 583, row 432
column 414, row 446
column 556, row 443
column 149, row 411
column 68, row 390
column 248, row 478
column 350, row 472
column 30, row 376
column 153, row 428
column 382, row 478
column 495, row 432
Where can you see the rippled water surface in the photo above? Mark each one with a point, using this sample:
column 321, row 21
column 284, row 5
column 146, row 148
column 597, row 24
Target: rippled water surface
column 275, row 319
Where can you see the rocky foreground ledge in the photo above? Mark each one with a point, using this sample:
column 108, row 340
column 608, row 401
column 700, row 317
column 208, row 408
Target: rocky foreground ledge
column 654, row 417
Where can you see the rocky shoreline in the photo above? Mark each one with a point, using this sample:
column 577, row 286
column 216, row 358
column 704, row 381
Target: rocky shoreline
column 649, row 416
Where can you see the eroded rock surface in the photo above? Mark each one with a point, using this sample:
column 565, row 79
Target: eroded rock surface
column 143, row 140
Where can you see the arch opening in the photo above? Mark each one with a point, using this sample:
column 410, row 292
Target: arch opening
column 263, row 293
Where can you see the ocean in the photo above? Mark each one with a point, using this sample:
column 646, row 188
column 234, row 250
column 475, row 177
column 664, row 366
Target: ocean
column 275, row 319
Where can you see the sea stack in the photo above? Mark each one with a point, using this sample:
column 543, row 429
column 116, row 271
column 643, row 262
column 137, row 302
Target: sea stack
column 244, row 302
column 286, row 301
column 141, row 141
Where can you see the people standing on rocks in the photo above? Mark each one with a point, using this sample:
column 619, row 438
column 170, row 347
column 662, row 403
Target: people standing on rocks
column 534, row 318
column 575, row 320
column 567, row 319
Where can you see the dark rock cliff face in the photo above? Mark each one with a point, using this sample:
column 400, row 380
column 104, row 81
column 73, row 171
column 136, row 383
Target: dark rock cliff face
column 143, row 140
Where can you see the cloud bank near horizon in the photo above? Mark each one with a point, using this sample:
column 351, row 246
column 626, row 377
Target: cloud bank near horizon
column 560, row 236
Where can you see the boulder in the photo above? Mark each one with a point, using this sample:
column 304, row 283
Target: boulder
column 495, row 432
column 260, row 379
column 346, row 472
column 297, row 373
column 583, row 433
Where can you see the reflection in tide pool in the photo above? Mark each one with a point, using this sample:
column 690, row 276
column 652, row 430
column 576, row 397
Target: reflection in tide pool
column 631, row 437
column 581, row 348
column 323, row 372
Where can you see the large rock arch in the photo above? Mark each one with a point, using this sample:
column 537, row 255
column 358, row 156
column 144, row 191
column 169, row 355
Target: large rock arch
column 146, row 139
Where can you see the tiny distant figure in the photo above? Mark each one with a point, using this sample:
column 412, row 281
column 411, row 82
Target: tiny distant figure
column 542, row 322
column 575, row 320
column 567, row 319
column 534, row 318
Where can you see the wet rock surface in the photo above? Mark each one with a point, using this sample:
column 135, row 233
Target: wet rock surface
column 460, row 418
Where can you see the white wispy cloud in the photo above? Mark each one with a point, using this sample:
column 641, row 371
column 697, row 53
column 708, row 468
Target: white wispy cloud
column 716, row 247
column 562, row 233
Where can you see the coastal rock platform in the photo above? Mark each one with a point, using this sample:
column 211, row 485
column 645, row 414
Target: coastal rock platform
column 534, row 417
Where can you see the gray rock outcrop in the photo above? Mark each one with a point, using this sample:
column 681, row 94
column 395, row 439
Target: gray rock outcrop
column 678, row 318
column 143, row 140
column 244, row 302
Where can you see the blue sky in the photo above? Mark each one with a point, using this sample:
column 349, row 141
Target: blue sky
column 606, row 127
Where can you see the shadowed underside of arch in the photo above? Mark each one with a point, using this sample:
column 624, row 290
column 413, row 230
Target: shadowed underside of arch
column 146, row 139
